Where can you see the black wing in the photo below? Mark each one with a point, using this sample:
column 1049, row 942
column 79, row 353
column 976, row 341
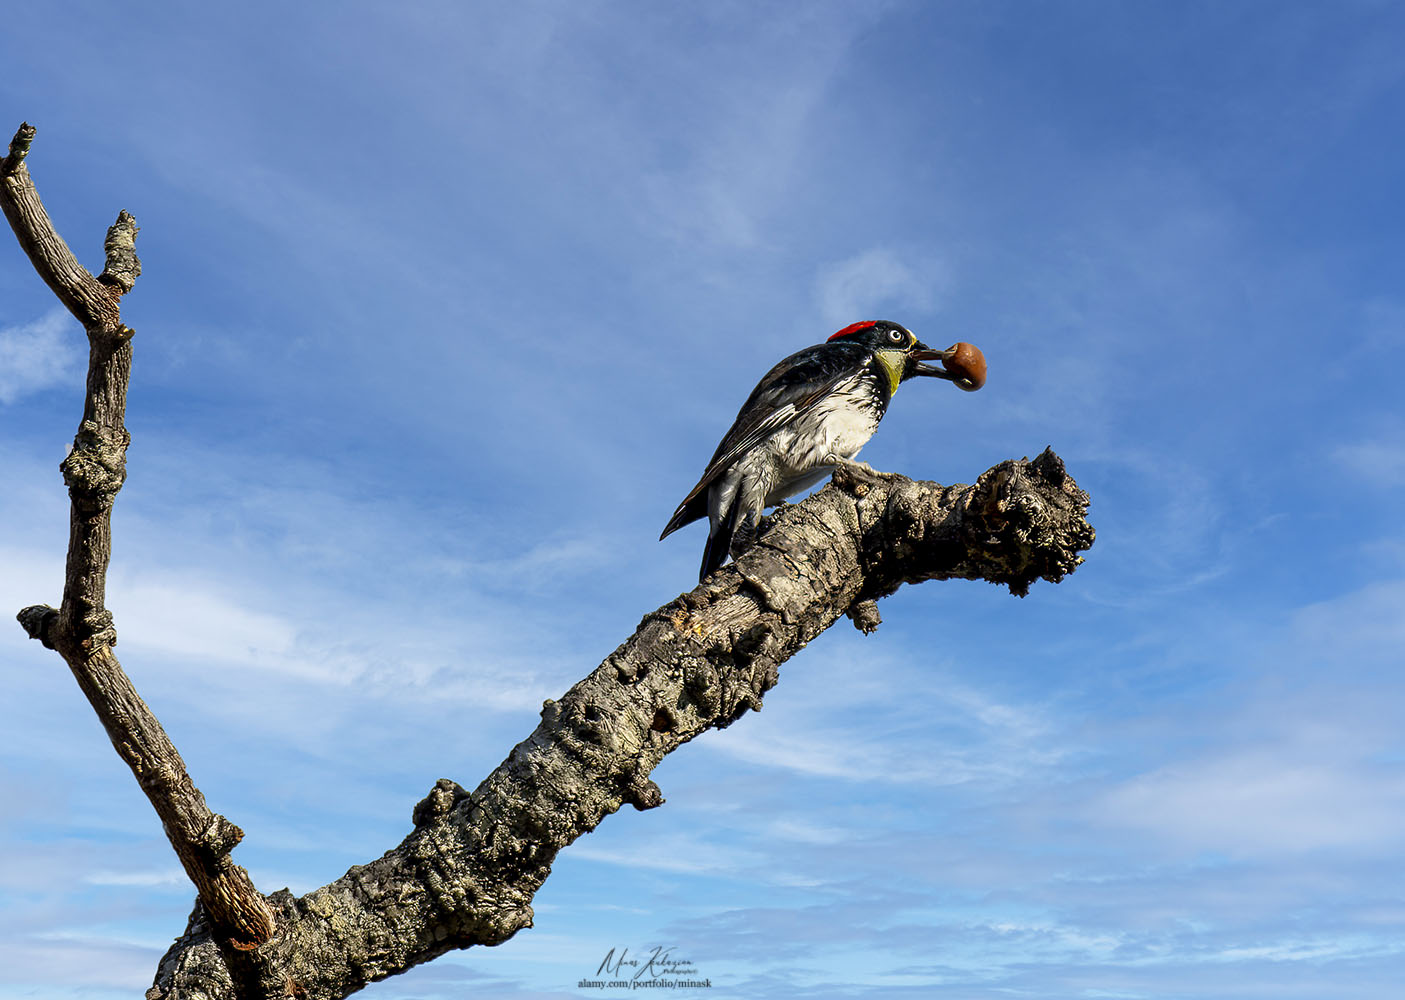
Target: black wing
column 786, row 392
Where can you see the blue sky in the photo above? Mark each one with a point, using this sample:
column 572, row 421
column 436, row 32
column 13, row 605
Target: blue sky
column 445, row 306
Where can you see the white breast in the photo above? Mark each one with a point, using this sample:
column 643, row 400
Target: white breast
column 840, row 424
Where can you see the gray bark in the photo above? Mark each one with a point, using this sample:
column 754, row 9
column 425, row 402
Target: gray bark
column 470, row 866
column 81, row 628
column 467, row 872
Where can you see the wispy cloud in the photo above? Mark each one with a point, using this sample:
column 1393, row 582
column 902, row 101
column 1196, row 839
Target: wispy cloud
column 953, row 734
column 880, row 282
column 39, row 355
column 1354, row 630
column 735, row 177
column 192, row 620
column 683, row 854
column 1378, row 460
column 164, row 877
column 91, row 961
column 1254, row 803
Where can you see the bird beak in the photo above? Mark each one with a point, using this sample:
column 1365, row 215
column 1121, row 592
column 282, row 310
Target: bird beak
column 962, row 364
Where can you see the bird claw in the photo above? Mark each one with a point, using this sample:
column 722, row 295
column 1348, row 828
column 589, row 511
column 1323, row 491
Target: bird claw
column 742, row 539
column 859, row 470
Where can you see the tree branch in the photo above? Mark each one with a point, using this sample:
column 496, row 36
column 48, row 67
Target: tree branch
column 94, row 303
column 81, row 628
column 467, row 872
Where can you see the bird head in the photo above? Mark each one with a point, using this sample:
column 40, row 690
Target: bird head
column 902, row 354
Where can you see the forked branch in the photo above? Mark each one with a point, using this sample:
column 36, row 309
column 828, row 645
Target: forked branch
column 468, row 870
column 81, row 627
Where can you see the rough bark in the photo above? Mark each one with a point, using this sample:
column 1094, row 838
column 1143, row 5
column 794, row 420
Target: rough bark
column 467, row 872
column 81, row 628
column 469, row 868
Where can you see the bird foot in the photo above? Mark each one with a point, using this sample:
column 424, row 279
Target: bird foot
column 859, row 470
column 743, row 538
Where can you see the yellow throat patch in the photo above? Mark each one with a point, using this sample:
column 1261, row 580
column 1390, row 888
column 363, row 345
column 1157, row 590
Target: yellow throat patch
column 894, row 363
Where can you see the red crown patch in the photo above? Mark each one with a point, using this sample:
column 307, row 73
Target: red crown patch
column 853, row 328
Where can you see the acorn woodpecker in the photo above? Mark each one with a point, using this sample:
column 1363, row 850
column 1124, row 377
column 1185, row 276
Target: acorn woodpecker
column 810, row 415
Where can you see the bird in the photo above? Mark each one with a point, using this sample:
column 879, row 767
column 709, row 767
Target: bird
column 807, row 417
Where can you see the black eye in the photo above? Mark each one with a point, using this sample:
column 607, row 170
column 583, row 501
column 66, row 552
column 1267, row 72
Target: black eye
column 896, row 336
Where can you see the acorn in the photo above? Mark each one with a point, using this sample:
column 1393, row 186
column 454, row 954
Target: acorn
column 966, row 364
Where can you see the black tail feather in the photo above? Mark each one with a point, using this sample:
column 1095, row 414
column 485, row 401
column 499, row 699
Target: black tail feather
column 688, row 511
column 719, row 542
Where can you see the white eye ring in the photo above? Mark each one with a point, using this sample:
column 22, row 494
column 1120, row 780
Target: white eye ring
column 896, row 336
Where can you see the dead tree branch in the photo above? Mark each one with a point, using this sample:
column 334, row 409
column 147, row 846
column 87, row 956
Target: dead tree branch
column 467, row 872
column 81, row 627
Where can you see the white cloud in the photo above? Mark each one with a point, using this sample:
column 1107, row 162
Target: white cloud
column 737, row 173
column 1379, row 461
column 39, row 355
column 78, row 964
column 1304, row 758
column 807, row 833
column 28, row 577
column 1256, row 802
column 172, row 615
column 185, row 618
column 1350, row 627
column 141, row 879
column 823, row 754
column 957, row 735
column 542, row 565
column 1161, row 526
column 877, row 282
column 678, row 853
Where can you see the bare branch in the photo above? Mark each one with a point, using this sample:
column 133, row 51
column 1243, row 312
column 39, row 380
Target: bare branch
column 81, row 629
column 468, row 871
column 123, row 267
column 95, row 304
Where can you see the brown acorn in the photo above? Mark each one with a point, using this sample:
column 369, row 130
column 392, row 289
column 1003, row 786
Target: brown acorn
column 966, row 364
